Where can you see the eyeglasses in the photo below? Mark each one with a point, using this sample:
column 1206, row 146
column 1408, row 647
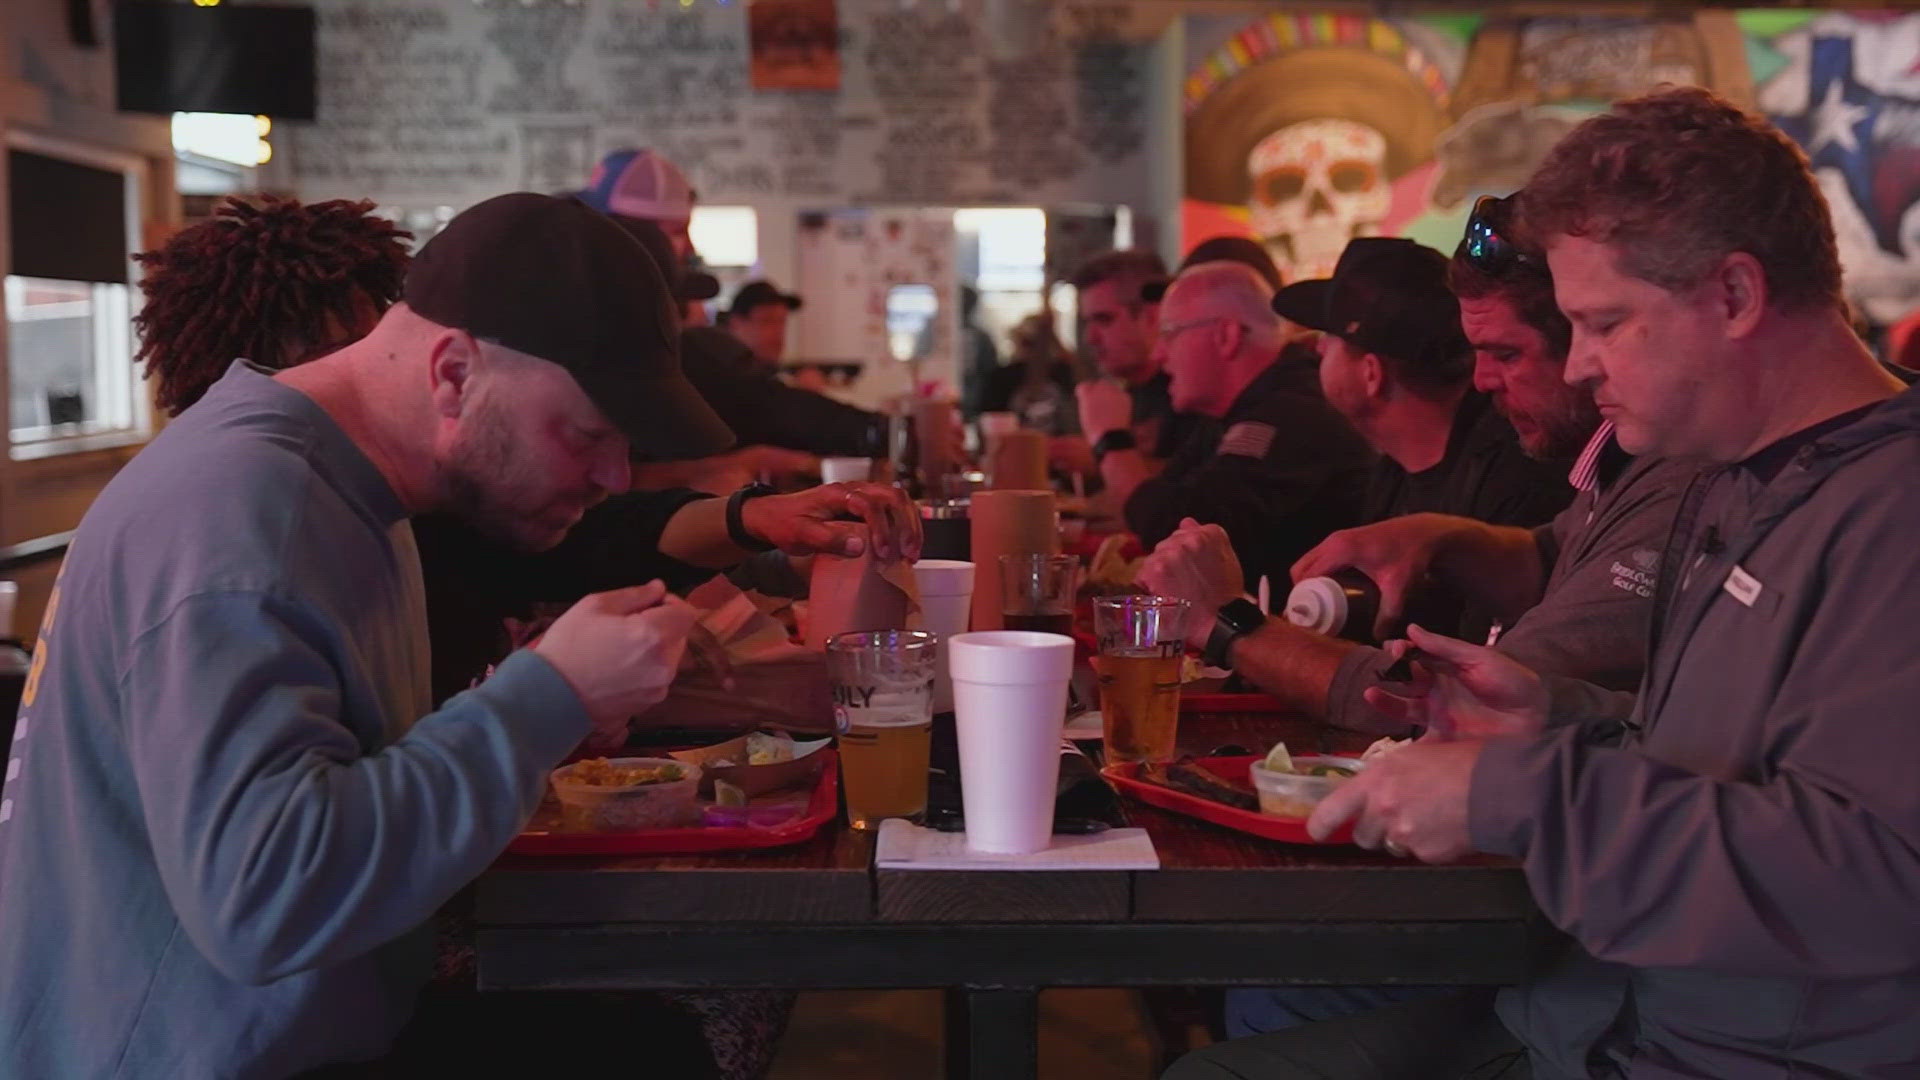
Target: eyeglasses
column 1169, row 330
column 1484, row 247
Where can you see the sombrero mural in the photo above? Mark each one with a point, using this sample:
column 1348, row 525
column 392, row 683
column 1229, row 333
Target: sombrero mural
column 1309, row 130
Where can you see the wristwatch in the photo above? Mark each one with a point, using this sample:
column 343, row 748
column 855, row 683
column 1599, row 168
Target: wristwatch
column 1117, row 439
column 1238, row 618
column 736, row 527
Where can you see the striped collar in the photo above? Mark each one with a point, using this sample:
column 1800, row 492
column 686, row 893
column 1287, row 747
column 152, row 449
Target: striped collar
column 1586, row 467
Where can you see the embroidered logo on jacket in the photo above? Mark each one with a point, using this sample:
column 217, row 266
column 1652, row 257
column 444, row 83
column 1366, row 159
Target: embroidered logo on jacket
column 1638, row 573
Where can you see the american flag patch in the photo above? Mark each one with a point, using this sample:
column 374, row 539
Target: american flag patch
column 1248, row 438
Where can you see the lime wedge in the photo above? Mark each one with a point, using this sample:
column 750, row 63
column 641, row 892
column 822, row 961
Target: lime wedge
column 725, row 794
column 1278, row 760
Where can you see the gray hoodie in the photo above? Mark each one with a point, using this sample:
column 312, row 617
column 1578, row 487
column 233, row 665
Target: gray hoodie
column 233, row 811
column 1746, row 868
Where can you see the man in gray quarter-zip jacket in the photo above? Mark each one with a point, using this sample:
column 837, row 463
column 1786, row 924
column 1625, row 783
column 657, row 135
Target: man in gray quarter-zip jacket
column 1738, row 879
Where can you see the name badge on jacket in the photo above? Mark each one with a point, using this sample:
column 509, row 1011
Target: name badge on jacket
column 1743, row 586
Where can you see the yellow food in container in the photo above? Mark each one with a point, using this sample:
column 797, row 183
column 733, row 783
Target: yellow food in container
column 620, row 794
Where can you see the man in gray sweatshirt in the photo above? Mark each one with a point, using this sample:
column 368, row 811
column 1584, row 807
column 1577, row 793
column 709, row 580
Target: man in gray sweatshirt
column 230, row 807
column 1738, row 877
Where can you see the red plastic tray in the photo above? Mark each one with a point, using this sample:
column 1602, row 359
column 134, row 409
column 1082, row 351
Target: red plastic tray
column 821, row 809
column 1125, row 776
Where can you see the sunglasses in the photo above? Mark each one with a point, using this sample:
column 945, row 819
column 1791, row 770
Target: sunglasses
column 1484, row 247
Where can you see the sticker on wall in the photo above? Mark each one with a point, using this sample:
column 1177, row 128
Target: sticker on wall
column 793, row 45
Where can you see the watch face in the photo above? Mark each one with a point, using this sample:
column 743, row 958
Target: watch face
column 1244, row 616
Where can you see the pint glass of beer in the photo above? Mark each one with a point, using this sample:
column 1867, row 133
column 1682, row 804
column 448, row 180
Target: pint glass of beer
column 1142, row 640
column 883, row 708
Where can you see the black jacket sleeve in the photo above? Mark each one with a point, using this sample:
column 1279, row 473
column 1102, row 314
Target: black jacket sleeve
column 1274, row 506
column 764, row 411
column 474, row 582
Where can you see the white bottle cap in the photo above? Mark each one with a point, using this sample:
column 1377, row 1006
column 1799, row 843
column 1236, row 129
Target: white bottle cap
column 1319, row 604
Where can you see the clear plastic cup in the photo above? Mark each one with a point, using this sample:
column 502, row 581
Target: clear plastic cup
column 883, row 707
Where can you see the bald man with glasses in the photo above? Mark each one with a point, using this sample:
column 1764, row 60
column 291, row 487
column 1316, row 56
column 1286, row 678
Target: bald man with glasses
column 1282, row 471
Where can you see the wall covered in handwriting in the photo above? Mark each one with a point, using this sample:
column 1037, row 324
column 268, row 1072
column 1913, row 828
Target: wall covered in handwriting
column 449, row 101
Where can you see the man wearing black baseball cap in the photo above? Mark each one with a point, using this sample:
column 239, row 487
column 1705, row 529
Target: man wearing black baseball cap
column 240, row 785
column 552, row 279
column 758, row 317
column 1394, row 361
column 763, row 410
column 664, row 528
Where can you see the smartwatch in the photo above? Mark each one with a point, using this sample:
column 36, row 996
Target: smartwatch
column 1238, row 618
column 1117, row 439
column 736, row 527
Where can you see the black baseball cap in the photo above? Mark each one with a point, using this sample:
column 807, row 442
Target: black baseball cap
column 1387, row 295
column 757, row 293
column 555, row 279
column 1241, row 249
column 687, row 283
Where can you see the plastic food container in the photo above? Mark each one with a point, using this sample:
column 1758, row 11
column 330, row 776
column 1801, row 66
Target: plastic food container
column 1289, row 795
column 666, row 804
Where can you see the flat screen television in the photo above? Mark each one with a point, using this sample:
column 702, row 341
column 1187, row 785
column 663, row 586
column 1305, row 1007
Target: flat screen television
column 232, row 58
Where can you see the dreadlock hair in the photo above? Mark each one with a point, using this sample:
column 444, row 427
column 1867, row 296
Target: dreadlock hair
column 255, row 281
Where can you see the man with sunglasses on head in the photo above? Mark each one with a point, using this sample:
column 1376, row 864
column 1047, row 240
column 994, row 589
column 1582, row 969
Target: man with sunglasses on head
column 1574, row 593
column 1285, row 468
column 1394, row 361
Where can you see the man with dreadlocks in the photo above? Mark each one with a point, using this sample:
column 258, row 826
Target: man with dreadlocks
column 258, row 280
column 235, row 806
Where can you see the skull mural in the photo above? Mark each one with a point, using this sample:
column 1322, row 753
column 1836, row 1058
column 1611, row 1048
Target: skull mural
column 1316, row 185
column 1309, row 145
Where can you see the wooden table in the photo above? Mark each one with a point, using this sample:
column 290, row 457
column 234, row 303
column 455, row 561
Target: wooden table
column 1223, row 909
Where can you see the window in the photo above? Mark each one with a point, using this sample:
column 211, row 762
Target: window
column 1009, row 268
column 70, row 349
column 911, row 310
column 1013, row 247
column 726, row 236
column 74, row 220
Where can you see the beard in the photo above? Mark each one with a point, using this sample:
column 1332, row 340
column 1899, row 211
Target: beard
column 1558, row 432
column 491, row 488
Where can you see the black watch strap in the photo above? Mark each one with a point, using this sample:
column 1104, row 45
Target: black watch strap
column 1238, row 618
column 1117, row 439
column 737, row 526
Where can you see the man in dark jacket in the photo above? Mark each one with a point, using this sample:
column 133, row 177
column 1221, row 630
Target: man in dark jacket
column 1736, row 867
column 763, row 411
